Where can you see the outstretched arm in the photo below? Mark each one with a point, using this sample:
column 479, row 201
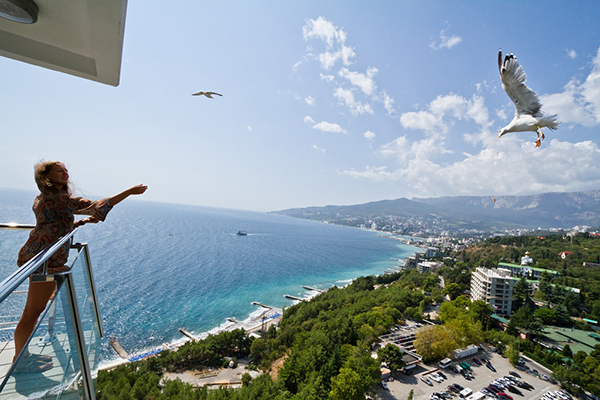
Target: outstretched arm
column 134, row 190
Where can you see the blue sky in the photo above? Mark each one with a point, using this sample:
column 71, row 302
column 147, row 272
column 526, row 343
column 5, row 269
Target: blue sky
column 324, row 102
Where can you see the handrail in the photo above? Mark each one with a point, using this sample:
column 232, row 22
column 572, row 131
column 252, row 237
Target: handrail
column 18, row 277
column 16, row 227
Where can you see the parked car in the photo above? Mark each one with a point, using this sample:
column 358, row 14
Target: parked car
column 453, row 368
column 513, row 373
column 383, row 385
column 513, row 389
column 427, row 381
column 529, row 385
column 505, row 396
column 496, row 386
column 491, row 367
column 476, row 360
column 440, row 373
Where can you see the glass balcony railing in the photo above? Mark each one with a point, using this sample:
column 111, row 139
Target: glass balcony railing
column 66, row 338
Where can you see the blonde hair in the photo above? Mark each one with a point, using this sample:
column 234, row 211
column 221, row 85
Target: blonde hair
column 42, row 179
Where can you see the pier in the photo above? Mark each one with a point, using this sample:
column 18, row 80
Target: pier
column 256, row 303
column 118, row 348
column 186, row 333
column 287, row 296
column 312, row 289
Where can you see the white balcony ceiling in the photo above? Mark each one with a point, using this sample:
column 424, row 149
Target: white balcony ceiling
column 78, row 37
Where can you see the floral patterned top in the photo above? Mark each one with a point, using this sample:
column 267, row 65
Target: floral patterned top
column 54, row 219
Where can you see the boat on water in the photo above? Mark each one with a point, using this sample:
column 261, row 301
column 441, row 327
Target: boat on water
column 242, row 233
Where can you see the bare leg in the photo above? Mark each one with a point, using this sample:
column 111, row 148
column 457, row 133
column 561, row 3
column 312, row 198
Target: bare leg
column 37, row 298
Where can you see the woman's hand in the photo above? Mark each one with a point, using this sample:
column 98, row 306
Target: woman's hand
column 134, row 190
column 138, row 189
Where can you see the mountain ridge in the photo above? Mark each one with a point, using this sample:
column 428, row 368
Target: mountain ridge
column 562, row 210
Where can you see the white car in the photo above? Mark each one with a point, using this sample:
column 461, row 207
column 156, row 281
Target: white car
column 436, row 377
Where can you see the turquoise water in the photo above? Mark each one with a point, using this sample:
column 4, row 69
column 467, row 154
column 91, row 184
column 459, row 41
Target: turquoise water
column 161, row 267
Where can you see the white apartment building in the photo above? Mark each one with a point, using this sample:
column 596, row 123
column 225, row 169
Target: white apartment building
column 495, row 287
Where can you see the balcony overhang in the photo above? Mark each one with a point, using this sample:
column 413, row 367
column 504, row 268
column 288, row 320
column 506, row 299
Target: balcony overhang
column 77, row 37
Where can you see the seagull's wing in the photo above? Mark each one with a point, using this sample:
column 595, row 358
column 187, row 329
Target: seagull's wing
column 211, row 93
column 198, row 94
column 526, row 101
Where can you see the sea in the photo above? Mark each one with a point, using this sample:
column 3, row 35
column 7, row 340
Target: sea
column 160, row 267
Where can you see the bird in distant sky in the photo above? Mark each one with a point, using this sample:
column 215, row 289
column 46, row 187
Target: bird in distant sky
column 528, row 109
column 207, row 94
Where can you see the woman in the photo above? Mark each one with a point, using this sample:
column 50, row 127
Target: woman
column 54, row 208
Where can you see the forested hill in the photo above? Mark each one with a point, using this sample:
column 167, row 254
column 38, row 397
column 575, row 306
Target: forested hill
column 548, row 210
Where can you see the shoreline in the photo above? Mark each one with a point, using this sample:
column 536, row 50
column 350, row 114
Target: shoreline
column 251, row 324
column 264, row 316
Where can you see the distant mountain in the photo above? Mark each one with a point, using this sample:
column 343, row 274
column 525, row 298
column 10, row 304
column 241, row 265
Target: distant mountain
column 486, row 213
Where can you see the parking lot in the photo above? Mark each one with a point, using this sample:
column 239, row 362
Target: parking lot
column 402, row 384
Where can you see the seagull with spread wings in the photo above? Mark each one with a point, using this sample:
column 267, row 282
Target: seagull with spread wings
column 528, row 109
column 207, row 94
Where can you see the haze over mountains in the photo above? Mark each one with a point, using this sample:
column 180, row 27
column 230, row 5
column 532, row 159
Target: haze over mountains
column 466, row 213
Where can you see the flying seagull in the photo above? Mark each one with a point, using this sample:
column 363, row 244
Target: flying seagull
column 207, row 94
column 528, row 109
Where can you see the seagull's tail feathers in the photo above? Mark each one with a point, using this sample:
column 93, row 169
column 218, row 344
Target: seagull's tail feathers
column 551, row 122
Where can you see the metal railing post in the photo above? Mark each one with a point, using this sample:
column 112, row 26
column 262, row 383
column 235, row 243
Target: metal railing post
column 86, row 373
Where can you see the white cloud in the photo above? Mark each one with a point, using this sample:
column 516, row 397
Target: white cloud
column 505, row 167
column 369, row 135
column 308, row 120
column 295, row 67
column 329, row 127
column 501, row 114
column 334, row 39
column 571, row 53
column 356, row 107
column 249, row 128
column 310, row 101
column 363, row 81
column 580, row 101
column 442, row 107
column 421, row 120
column 317, row 148
column 373, row 173
column 445, row 41
column 388, row 103
column 327, row 78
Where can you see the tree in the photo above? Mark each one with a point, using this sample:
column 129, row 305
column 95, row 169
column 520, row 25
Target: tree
column 512, row 353
column 453, row 290
column 567, row 352
column 481, row 311
column 392, row 356
column 411, row 394
column 346, row 386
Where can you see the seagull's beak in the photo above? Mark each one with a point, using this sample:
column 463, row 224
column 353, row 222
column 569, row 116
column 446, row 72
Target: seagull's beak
column 500, row 133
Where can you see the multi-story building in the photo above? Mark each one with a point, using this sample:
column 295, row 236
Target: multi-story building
column 495, row 287
column 527, row 271
column 429, row 266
